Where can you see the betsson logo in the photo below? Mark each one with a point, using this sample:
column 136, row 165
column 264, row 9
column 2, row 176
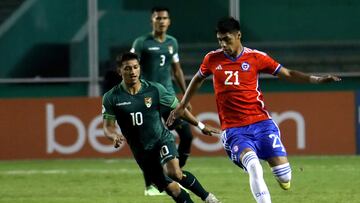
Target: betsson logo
column 92, row 132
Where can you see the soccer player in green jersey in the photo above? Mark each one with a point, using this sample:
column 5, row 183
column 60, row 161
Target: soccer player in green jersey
column 136, row 106
column 159, row 59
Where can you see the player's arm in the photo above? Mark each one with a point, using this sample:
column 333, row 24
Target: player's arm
column 300, row 77
column 110, row 131
column 109, row 121
column 179, row 76
column 179, row 111
column 137, row 46
column 206, row 129
column 179, row 79
column 176, row 67
column 170, row 101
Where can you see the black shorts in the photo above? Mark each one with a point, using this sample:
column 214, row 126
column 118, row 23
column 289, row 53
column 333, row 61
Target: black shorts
column 151, row 162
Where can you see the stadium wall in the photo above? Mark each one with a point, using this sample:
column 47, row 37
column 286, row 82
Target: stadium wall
column 58, row 28
column 311, row 124
column 357, row 120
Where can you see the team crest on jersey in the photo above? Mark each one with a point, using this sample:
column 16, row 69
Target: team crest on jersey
column 235, row 148
column 171, row 49
column 148, row 101
column 245, row 66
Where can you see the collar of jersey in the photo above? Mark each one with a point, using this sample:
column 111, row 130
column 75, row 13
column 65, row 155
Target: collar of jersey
column 153, row 38
column 143, row 84
column 234, row 59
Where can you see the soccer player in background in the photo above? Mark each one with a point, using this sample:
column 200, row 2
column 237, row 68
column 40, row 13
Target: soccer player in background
column 249, row 133
column 136, row 105
column 159, row 59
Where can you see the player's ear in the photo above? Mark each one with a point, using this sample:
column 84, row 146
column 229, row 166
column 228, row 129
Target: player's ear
column 118, row 70
column 239, row 35
column 151, row 19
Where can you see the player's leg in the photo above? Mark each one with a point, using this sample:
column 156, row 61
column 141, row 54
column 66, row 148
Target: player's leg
column 185, row 178
column 184, row 131
column 177, row 193
column 281, row 169
column 239, row 145
column 251, row 162
column 154, row 170
column 188, row 180
column 150, row 189
column 274, row 152
column 186, row 138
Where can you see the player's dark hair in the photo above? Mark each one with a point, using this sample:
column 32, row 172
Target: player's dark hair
column 159, row 8
column 126, row 56
column 227, row 24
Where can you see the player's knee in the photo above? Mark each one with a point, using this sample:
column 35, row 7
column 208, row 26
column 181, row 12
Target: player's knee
column 173, row 189
column 175, row 174
column 249, row 159
column 282, row 172
column 252, row 164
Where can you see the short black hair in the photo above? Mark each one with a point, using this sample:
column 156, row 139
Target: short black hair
column 159, row 8
column 126, row 56
column 227, row 24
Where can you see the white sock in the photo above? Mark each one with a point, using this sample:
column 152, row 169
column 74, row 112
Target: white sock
column 282, row 172
column 257, row 183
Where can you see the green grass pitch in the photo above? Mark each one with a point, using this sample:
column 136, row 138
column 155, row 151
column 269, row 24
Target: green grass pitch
column 316, row 179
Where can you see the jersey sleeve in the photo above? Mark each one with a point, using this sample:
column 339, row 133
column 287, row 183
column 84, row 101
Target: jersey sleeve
column 175, row 56
column 267, row 64
column 107, row 108
column 205, row 70
column 166, row 98
column 137, row 46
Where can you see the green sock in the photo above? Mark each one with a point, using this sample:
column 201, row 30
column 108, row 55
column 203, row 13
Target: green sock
column 190, row 182
column 183, row 197
column 147, row 180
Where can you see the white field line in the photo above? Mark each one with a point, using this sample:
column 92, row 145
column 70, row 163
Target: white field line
column 103, row 171
column 70, row 171
column 196, row 170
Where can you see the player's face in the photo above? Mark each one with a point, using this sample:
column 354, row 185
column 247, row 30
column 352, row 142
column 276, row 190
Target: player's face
column 130, row 71
column 160, row 21
column 229, row 42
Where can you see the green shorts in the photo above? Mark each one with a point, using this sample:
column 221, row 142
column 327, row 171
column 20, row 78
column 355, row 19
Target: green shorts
column 151, row 162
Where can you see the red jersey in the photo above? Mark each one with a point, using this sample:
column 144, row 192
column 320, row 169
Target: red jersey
column 236, row 82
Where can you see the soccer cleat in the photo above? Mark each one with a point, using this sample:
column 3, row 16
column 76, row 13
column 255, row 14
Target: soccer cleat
column 211, row 199
column 153, row 191
column 285, row 186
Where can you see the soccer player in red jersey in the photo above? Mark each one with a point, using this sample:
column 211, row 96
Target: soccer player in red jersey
column 249, row 133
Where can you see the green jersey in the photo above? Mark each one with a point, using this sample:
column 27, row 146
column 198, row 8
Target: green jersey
column 156, row 58
column 139, row 115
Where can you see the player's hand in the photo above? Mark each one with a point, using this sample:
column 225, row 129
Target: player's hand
column 174, row 114
column 118, row 140
column 209, row 130
column 189, row 107
column 328, row 79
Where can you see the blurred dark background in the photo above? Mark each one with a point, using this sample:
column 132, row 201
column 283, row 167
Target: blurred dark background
column 44, row 45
